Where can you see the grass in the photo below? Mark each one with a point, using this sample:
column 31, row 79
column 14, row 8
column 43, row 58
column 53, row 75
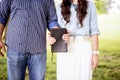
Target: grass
column 109, row 66
column 109, row 59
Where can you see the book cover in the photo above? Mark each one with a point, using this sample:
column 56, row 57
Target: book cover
column 60, row 45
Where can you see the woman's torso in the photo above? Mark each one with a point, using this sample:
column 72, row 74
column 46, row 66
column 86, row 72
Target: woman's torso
column 89, row 23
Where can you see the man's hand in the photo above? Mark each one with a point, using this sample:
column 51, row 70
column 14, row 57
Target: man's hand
column 50, row 40
column 2, row 47
column 66, row 37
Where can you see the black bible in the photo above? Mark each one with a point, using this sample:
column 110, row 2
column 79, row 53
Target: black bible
column 60, row 45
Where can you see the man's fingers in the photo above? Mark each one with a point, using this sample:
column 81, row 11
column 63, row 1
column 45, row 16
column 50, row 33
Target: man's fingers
column 1, row 54
column 49, row 34
column 51, row 40
column 3, row 49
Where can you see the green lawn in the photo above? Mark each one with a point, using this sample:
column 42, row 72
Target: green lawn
column 109, row 60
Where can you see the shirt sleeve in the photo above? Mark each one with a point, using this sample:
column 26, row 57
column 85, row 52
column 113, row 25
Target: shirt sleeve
column 4, row 11
column 93, row 21
column 52, row 15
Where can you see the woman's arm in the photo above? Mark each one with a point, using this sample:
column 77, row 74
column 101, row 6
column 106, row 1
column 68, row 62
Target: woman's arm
column 95, row 45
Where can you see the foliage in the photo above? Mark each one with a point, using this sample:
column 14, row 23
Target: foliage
column 101, row 6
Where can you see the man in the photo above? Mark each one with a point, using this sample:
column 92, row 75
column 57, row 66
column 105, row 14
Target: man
column 26, row 35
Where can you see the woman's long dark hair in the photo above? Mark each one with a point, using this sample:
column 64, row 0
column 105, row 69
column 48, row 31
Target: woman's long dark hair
column 81, row 10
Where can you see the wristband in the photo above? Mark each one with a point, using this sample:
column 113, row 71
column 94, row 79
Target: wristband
column 96, row 52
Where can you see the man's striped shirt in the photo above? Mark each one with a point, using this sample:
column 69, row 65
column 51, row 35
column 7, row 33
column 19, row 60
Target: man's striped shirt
column 27, row 25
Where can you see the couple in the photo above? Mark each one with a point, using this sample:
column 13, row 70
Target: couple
column 26, row 37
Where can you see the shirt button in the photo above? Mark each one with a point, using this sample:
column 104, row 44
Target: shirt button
column 27, row 55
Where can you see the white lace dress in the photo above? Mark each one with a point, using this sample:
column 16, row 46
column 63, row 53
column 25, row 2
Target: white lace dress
column 76, row 63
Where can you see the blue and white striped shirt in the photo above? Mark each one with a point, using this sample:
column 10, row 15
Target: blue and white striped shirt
column 27, row 24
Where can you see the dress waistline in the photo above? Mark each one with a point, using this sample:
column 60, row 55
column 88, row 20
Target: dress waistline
column 80, row 38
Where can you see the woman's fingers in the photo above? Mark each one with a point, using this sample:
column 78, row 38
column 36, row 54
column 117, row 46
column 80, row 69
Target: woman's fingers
column 66, row 37
column 94, row 62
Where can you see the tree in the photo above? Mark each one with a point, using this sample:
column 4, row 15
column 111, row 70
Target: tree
column 101, row 6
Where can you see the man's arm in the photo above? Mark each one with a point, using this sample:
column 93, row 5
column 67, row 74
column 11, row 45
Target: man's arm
column 1, row 31
column 4, row 14
column 52, row 16
column 53, row 22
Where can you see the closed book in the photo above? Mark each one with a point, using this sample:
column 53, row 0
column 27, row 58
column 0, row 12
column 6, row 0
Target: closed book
column 60, row 45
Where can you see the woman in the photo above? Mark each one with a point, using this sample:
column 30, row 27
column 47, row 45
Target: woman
column 80, row 18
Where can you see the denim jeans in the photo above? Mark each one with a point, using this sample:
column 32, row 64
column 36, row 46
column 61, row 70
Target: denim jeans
column 17, row 63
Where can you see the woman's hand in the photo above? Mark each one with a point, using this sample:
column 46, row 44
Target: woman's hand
column 94, row 61
column 2, row 47
column 66, row 37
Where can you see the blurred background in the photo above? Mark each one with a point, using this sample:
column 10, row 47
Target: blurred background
column 109, row 59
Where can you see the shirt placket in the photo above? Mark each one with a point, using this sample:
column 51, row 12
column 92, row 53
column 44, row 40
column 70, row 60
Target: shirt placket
column 29, row 25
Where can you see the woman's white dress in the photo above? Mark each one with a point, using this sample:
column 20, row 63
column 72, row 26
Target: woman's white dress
column 76, row 63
